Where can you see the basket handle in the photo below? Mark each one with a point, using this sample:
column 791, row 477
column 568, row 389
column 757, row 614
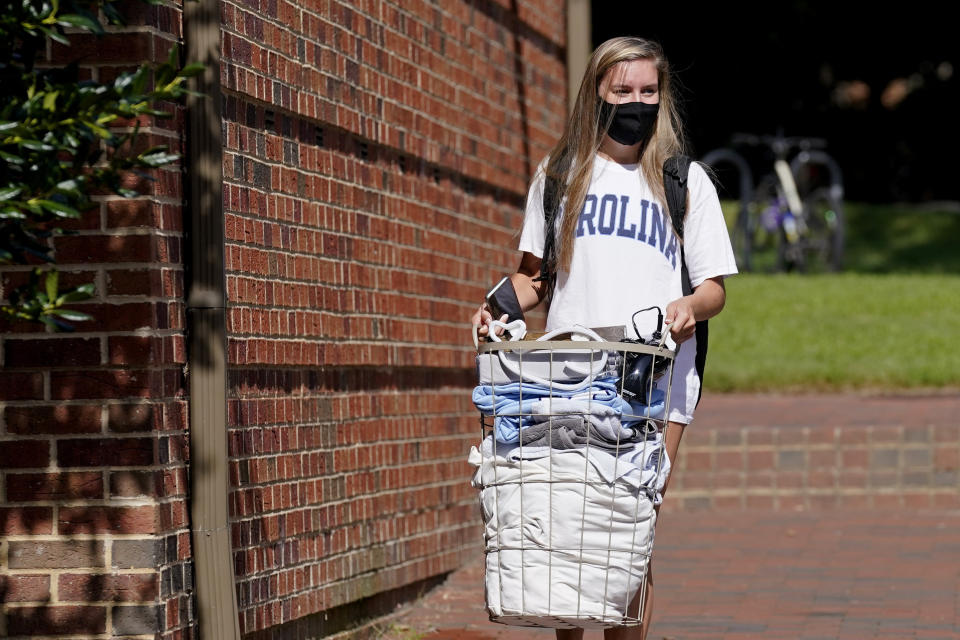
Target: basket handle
column 589, row 373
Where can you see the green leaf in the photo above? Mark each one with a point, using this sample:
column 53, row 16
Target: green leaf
column 10, row 213
column 51, row 283
column 158, row 159
column 69, row 314
column 82, row 22
column 10, row 158
column 53, row 34
column 50, row 100
column 50, row 322
column 58, row 208
column 83, row 292
column 192, row 69
column 35, row 145
column 9, row 193
column 99, row 131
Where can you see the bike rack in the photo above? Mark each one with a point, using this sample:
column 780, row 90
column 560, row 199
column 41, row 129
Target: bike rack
column 746, row 176
column 746, row 187
column 813, row 156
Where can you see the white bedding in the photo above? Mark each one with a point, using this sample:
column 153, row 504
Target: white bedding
column 570, row 544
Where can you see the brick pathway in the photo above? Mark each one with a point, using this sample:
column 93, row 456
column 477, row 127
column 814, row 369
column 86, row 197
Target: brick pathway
column 829, row 410
column 771, row 575
column 792, row 573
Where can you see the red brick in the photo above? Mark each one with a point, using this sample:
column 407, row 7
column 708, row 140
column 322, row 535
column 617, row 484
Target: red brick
column 27, row 487
column 759, row 436
column 852, row 435
column 822, row 459
column 729, row 460
column 56, row 352
column 100, row 452
column 139, row 350
column 24, row 588
column 59, row 419
column 105, row 248
column 108, row 384
column 115, row 48
column 854, row 458
column 138, row 212
column 56, row 620
column 21, row 386
column 98, row 587
column 726, row 503
column 764, row 503
column 134, row 282
column 122, row 317
column 89, row 220
column 946, row 458
column 115, row 520
column 946, row 433
column 697, row 461
column 760, row 460
column 17, row 521
column 125, row 418
column 133, row 484
column 24, row 454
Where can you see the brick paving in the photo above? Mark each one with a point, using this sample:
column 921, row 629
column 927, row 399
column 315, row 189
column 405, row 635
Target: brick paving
column 939, row 408
column 741, row 575
column 788, row 573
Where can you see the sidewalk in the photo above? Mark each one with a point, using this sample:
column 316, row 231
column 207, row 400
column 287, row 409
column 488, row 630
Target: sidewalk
column 790, row 573
column 777, row 576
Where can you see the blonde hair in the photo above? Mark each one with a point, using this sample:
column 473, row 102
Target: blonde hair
column 571, row 160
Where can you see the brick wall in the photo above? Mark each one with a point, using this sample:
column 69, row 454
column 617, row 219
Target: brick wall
column 904, row 461
column 94, row 537
column 376, row 161
column 377, row 155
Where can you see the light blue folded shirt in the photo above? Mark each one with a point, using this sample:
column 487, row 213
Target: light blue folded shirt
column 512, row 404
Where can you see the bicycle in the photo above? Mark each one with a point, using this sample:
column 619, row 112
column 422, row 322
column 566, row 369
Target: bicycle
column 792, row 220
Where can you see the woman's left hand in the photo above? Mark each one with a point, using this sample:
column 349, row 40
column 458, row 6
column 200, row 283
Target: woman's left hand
column 681, row 319
column 705, row 302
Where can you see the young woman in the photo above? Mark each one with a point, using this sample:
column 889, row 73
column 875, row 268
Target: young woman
column 615, row 247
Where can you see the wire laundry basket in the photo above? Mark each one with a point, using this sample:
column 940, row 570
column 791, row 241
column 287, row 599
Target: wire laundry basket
column 569, row 469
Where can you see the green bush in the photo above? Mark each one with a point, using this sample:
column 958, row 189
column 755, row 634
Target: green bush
column 63, row 139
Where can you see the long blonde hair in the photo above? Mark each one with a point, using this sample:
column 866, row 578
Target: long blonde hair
column 571, row 160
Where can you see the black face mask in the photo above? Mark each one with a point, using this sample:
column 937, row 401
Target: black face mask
column 632, row 121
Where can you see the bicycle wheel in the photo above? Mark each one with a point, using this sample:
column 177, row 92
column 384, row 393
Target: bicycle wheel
column 760, row 239
column 822, row 237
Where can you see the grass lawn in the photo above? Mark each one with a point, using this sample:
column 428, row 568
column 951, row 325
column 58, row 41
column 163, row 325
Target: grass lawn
column 891, row 322
column 833, row 332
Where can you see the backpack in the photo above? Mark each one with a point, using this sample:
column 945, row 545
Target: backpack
column 675, row 173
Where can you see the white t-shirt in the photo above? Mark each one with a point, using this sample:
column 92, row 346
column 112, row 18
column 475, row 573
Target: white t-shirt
column 627, row 257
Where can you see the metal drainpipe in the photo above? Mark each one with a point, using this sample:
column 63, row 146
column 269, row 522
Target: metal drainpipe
column 579, row 45
column 214, row 581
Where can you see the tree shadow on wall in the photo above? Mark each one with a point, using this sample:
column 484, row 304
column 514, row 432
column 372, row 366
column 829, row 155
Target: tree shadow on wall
column 520, row 31
column 87, row 588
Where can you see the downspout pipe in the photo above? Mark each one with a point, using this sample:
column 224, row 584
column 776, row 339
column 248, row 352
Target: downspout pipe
column 579, row 45
column 215, row 590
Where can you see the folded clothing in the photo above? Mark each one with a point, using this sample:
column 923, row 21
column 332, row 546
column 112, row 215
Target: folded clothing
column 513, row 405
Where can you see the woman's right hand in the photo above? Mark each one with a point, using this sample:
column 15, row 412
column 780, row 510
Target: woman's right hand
column 481, row 319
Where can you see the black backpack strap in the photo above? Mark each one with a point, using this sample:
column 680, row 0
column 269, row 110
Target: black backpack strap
column 676, row 170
